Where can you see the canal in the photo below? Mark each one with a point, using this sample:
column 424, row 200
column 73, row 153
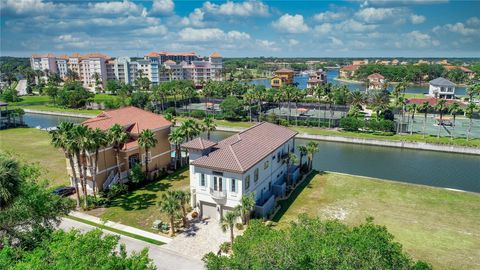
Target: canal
column 448, row 170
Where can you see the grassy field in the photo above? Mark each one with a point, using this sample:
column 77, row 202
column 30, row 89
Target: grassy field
column 432, row 224
column 33, row 146
column 139, row 207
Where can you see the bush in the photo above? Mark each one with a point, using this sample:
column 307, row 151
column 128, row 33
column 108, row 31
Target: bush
column 381, row 125
column 351, row 123
column 171, row 110
column 284, row 122
column 232, row 108
column 198, row 114
column 73, row 95
column 239, row 226
column 116, row 190
column 225, row 247
column 96, row 202
column 136, row 175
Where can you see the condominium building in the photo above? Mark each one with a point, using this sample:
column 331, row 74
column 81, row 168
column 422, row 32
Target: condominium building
column 46, row 62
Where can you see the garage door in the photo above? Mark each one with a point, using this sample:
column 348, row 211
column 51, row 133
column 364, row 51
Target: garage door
column 209, row 210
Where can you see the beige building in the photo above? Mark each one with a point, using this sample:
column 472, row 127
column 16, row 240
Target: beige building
column 134, row 121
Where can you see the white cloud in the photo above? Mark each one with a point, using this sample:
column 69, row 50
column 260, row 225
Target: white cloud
column 324, row 28
column 28, row 6
column 335, row 41
column 330, row 16
column 416, row 40
column 125, row 7
column 293, row 42
column 354, row 26
column 473, row 21
column 163, row 6
column 400, row 2
column 195, row 18
column 470, row 28
column 374, row 15
column 151, row 30
column 417, row 19
column 291, row 24
column 242, row 9
column 267, row 44
column 211, row 34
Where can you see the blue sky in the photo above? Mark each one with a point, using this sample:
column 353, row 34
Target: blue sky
column 366, row 28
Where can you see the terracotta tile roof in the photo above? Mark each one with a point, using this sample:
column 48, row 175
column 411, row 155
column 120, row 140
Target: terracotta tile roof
column 350, row 68
column 153, row 54
column 284, row 70
column 464, row 69
column 199, row 144
column 376, row 76
column 240, row 152
column 215, row 55
column 169, row 62
column 133, row 119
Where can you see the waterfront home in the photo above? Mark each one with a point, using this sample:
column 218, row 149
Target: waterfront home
column 441, row 88
column 282, row 77
column 468, row 73
column 134, row 121
column 252, row 161
column 348, row 72
column 316, row 77
column 376, row 81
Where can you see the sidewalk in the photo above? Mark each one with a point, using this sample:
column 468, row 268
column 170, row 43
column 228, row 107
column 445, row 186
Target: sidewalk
column 122, row 227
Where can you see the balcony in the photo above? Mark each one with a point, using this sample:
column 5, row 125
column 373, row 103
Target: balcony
column 218, row 194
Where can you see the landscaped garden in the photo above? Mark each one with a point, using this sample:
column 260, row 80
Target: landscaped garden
column 435, row 225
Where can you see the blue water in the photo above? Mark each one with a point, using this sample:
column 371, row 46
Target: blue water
column 301, row 80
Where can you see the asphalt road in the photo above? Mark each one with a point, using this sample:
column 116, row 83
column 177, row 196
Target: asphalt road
column 163, row 258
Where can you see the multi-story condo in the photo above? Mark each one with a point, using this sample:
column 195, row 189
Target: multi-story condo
column 282, row 77
column 45, row 62
column 134, row 121
column 172, row 71
column 316, row 77
column 92, row 65
column 62, row 66
column 441, row 88
column 376, row 81
column 251, row 161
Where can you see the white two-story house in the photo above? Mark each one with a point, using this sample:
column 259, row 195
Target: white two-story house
column 252, row 161
column 441, row 88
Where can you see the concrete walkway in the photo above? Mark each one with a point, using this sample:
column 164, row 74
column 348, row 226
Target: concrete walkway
column 122, row 227
column 162, row 257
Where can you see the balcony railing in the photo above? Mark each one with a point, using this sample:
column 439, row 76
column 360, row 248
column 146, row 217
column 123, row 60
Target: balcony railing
column 218, row 194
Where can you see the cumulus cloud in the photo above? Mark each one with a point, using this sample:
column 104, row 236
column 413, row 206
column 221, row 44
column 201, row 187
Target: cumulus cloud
column 125, row 7
column 211, row 34
column 335, row 41
column 195, row 18
column 291, row 24
column 416, row 40
column 28, row 7
column 267, row 44
column 330, row 16
column 352, row 25
column 293, row 42
column 324, row 28
column 162, row 7
column 365, row 3
column 417, row 19
column 151, row 30
column 375, row 15
column 242, row 9
column 470, row 28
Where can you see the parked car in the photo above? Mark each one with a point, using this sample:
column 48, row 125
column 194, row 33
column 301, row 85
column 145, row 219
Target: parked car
column 64, row 191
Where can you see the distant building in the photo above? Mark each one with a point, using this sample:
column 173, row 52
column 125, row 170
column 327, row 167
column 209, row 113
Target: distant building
column 376, row 81
column 348, row 72
column 468, row 73
column 395, row 62
column 282, row 77
column 441, row 88
column 316, row 77
column 360, row 62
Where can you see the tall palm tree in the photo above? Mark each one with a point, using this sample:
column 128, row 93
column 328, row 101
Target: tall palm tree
column 259, row 94
column 10, row 180
column 412, row 109
column 170, row 206
column 319, row 91
column 176, row 137
column 62, row 138
column 312, row 148
column 356, row 98
column 183, row 198
column 329, row 101
column 190, row 128
column 227, row 222
column 170, row 118
column 379, row 100
column 440, row 108
column 81, row 135
column 147, row 141
column 472, row 91
column 471, row 107
column 98, row 140
column 303, row 152
column 247, row 203
column 209, row 125
column 454, row 109
column 424, row 108
column 287, row 93
column 289, row 158
column 249, row 98
column 117, row 137
column 208, row 91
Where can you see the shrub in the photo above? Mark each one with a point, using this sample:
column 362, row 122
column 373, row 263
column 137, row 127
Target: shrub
column 116, row 190
column 171, row 110
column 232, row 108
column 225, row 247
column 198, row 114
column 351, row 123
column 284, row 122
column 381, row 125
column 96, row 202
column 239, row 226
column 136, row 175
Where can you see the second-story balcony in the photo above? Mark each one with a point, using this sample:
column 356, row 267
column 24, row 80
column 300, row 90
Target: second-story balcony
column 218, row 194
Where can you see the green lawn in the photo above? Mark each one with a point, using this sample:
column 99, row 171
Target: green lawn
column 139, row 207
column 33, row 146
column 432, row 224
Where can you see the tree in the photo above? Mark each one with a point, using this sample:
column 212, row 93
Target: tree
column 311, row 243
column 62, row 138
column 303, row 152
column 319, row 91
column 176, row 137
column 469, row 111
column 412, row 109
column 71, row 75
column 98, row 140
column 440, row 108
column 117, row 137
column 73, row 95
column 147, row 141
column 74, row 250
column 379, row 100
column 356, row 98
column 249, row 98
column 10, row 180
column 190, row 129
column 454, row 109
column 228, row 222
column 183, row 198
column 259, row 94
column 209, row 125
column 473, row 91
column 287, row 92
column 247, row 203
column 170, row 206
column 52, row 92
column 231, row 107
column 424, row 108
column 81, row 137
column 312, row 148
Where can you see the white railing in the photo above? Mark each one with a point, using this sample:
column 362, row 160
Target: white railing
column 218, row 194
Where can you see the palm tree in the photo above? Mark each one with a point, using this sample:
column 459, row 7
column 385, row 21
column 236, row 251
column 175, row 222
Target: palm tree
column 303, row 152
column 183, row 198
column 208, row 91
column 249, row 98
column 259, row 94
column 247, row 203
column 472, row 91
column 147, row 140
column 329, row 101
column 319, row 91
column 440, row 108
column 170, row 206
column 190, row 128
column 176, row 137
column 312, row 148
column 81, row 135
column 227, row 222
column 209, row 125
column 287, row 93
column 379, row 100
column 71, row 75
column 454, row 109
column 117, row 137
column 471, row 107
column 10, row 180
column 171, row 118
column 98, row 140
column 412, row 109
column 62, row 138
column 290, row 158
column 356, row 98
column 424, row 109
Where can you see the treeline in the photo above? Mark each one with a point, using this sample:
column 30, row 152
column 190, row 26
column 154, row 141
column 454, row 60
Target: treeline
column 411, row 73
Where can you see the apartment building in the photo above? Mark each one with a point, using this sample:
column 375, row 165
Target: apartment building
column 250, row 162
column 46, row 62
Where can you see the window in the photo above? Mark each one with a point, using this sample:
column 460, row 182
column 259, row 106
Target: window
column 202, row 180
column 247, row 182
column 265, row 165
column 255, row 175
column 233, row 185
column 278, row 157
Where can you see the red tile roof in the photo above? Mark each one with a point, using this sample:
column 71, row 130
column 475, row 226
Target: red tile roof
column 133, row 119
column 199, row 144
column 240, row 152
column 376, row 76
column 350, row 67
column 215, row 55
column 432, row 101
